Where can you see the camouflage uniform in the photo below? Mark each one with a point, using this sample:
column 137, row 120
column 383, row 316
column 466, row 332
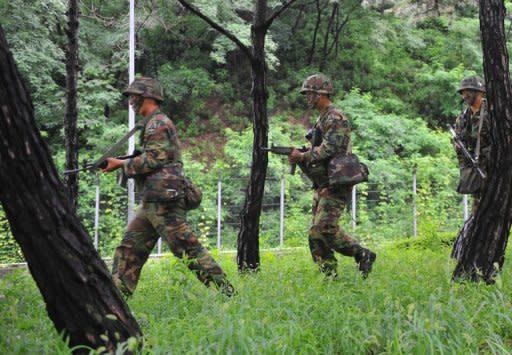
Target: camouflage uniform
column 166, row 219
column 325, row 234
column 467, row 126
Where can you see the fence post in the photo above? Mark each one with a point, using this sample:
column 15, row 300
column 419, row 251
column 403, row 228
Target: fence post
column 354, row 207
column 414, row 212
column 219, row 211
column 97, row 212
column 281, row 215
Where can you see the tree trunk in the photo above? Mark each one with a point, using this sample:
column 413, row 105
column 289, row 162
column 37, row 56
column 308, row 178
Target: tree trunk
column 482, row 242
column 70, row 119
column 315, row 32
column 248, row 256
column 81, row 299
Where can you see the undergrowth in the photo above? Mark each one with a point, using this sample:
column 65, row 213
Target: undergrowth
column 408, row 305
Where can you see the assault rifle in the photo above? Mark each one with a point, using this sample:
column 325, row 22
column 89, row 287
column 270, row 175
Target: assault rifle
column 282, row 150
column 102, row 163
column 99, row 164
column 465, row 151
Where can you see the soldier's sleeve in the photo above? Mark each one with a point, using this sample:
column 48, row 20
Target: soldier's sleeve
column 335, row 140
column 154, row 156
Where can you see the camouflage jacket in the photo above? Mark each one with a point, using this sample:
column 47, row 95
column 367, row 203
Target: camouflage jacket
column 331, row 139
column 466, row 127
column 160, row 150
column 335, row 129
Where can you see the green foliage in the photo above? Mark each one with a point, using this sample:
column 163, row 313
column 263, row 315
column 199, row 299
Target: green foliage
column 407, row 305
column 10, row 251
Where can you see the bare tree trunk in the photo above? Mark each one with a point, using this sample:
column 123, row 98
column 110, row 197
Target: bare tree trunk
column 248, row 256
column 323, row 59
column 484, row 239
column 248, row 237
column 81, row 299
column 70, row 119
column 315, row 32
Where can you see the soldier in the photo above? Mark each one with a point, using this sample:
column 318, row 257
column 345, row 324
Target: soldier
column 158, row 173
column 473, row 128
column 330, row 138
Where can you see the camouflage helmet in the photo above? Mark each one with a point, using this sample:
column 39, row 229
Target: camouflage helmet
column 472, row 83
column 318, row 83
column 145, row 87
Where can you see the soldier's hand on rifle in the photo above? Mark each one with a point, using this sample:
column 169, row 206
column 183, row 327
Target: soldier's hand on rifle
column 113, row 164
column 295, row 156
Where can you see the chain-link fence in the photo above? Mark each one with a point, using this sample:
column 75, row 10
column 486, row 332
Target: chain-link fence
column 377, row 212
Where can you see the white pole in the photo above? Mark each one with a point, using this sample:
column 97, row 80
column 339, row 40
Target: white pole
column 465, row 204
column 97, row 212
column 354, row 209
column 414, row 212
column 219, row 211
column 131, row 114
column 281, row 217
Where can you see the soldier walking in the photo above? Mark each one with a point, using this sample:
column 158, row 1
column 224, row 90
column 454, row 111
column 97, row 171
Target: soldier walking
column 330, row 138
column 472, row 126
column 158, row 173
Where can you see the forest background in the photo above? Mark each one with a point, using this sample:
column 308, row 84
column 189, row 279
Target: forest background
column 396, row 66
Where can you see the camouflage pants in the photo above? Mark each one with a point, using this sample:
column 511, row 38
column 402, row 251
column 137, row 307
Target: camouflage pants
column 325, row 234
column 154, row 220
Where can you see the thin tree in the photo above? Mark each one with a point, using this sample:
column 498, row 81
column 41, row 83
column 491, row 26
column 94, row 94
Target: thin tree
column 481, row 244
column 81, row 299
column 71, row 115
column 248, row 257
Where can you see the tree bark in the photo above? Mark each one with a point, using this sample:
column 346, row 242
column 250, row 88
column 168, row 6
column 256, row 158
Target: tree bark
column 315, row 32
column 483, row 240
column 248, row 256
column 81, row 299
column 71, row 115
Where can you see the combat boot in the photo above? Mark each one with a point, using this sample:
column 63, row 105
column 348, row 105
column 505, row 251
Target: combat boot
column 365, row 259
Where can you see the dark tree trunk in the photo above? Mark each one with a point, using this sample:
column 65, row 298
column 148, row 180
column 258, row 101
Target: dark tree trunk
column 81, row 299
column 248, row 255
column 70, row 119
column 323, row 60
column 315, row 32
column 482, row 243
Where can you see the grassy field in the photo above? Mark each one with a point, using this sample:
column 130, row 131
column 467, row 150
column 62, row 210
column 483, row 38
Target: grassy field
column 408, row 305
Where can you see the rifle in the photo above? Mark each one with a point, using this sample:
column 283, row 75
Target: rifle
column 465, row 151
column 282, row 150
column 99, row 164
column 102, row 163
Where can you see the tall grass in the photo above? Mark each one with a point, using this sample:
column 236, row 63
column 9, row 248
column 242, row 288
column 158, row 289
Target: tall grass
column 408, row 305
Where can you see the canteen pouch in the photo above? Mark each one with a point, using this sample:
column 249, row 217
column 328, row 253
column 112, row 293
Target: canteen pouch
column 346, row 170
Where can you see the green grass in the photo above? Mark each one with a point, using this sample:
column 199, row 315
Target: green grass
column 408, row 305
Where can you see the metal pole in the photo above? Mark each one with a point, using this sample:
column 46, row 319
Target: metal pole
column 354, row 209
column 97, row 212
column 131, row 114
column 414, row 212
column 465, row 205
column 219, row 211
column 281, row 216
